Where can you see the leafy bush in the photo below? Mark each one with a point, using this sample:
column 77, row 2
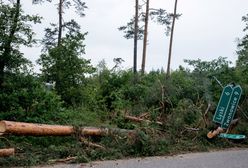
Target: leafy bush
column 24, row 98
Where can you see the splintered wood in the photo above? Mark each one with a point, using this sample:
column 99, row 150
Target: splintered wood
column 214, row 133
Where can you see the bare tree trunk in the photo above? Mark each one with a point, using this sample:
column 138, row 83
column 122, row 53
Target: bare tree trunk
column 135, row 36
column 7, row 45
column 145, row 38
column 60, row 21
column 171, row 40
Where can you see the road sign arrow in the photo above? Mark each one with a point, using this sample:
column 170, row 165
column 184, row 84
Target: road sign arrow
column 232, row 107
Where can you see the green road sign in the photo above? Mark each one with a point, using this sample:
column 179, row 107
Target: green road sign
column 232, row 107
column 232, row 136
column 223, row 104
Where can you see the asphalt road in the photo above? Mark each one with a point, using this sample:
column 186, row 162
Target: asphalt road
column 234, row 158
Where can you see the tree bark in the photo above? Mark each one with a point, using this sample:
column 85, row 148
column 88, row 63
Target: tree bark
column 20, row 128
column 7, row 152
column 145, row 38
column 32, row 129
column 92, row 131
column 135, row 36
column 171, row 40
column 60, row 21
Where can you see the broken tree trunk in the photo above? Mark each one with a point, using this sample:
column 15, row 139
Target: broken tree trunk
column 136, row 119
column 20, row 128
column 7, row 152
column 214, row 133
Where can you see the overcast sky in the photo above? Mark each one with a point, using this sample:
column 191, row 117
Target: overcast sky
column 207, row 29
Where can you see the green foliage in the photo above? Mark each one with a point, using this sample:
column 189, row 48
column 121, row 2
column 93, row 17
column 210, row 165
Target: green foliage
column 242, row 51
column 186, row 114
column 83, row 96
column 79, row 5
column 64, row 65
column 25, row 99
column 15, row 30
column 159, row 16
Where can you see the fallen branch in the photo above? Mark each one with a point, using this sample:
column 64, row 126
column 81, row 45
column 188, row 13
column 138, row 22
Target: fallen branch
column 143, row 115
column 65, row 160
column 204, row 118
column 139, row 120
column 192, row 129
column 7, row 152
column 205, row 115
column 90, row 144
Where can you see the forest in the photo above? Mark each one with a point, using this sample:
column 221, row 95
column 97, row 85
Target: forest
column 170, row 111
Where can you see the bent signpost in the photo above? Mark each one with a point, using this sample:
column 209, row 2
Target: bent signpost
column 227, row 105
column 223, row 103
column 232, row 107
column 226, row 110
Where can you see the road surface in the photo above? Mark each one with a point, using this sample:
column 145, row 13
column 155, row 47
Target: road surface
column 232, row 158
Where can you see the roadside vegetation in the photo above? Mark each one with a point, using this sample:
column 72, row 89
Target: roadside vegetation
column 70, row 91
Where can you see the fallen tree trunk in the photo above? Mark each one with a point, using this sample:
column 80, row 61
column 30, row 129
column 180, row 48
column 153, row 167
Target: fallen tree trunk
column 136, row 119
column 20, row 128
column 7, row 152
column 94, row 131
